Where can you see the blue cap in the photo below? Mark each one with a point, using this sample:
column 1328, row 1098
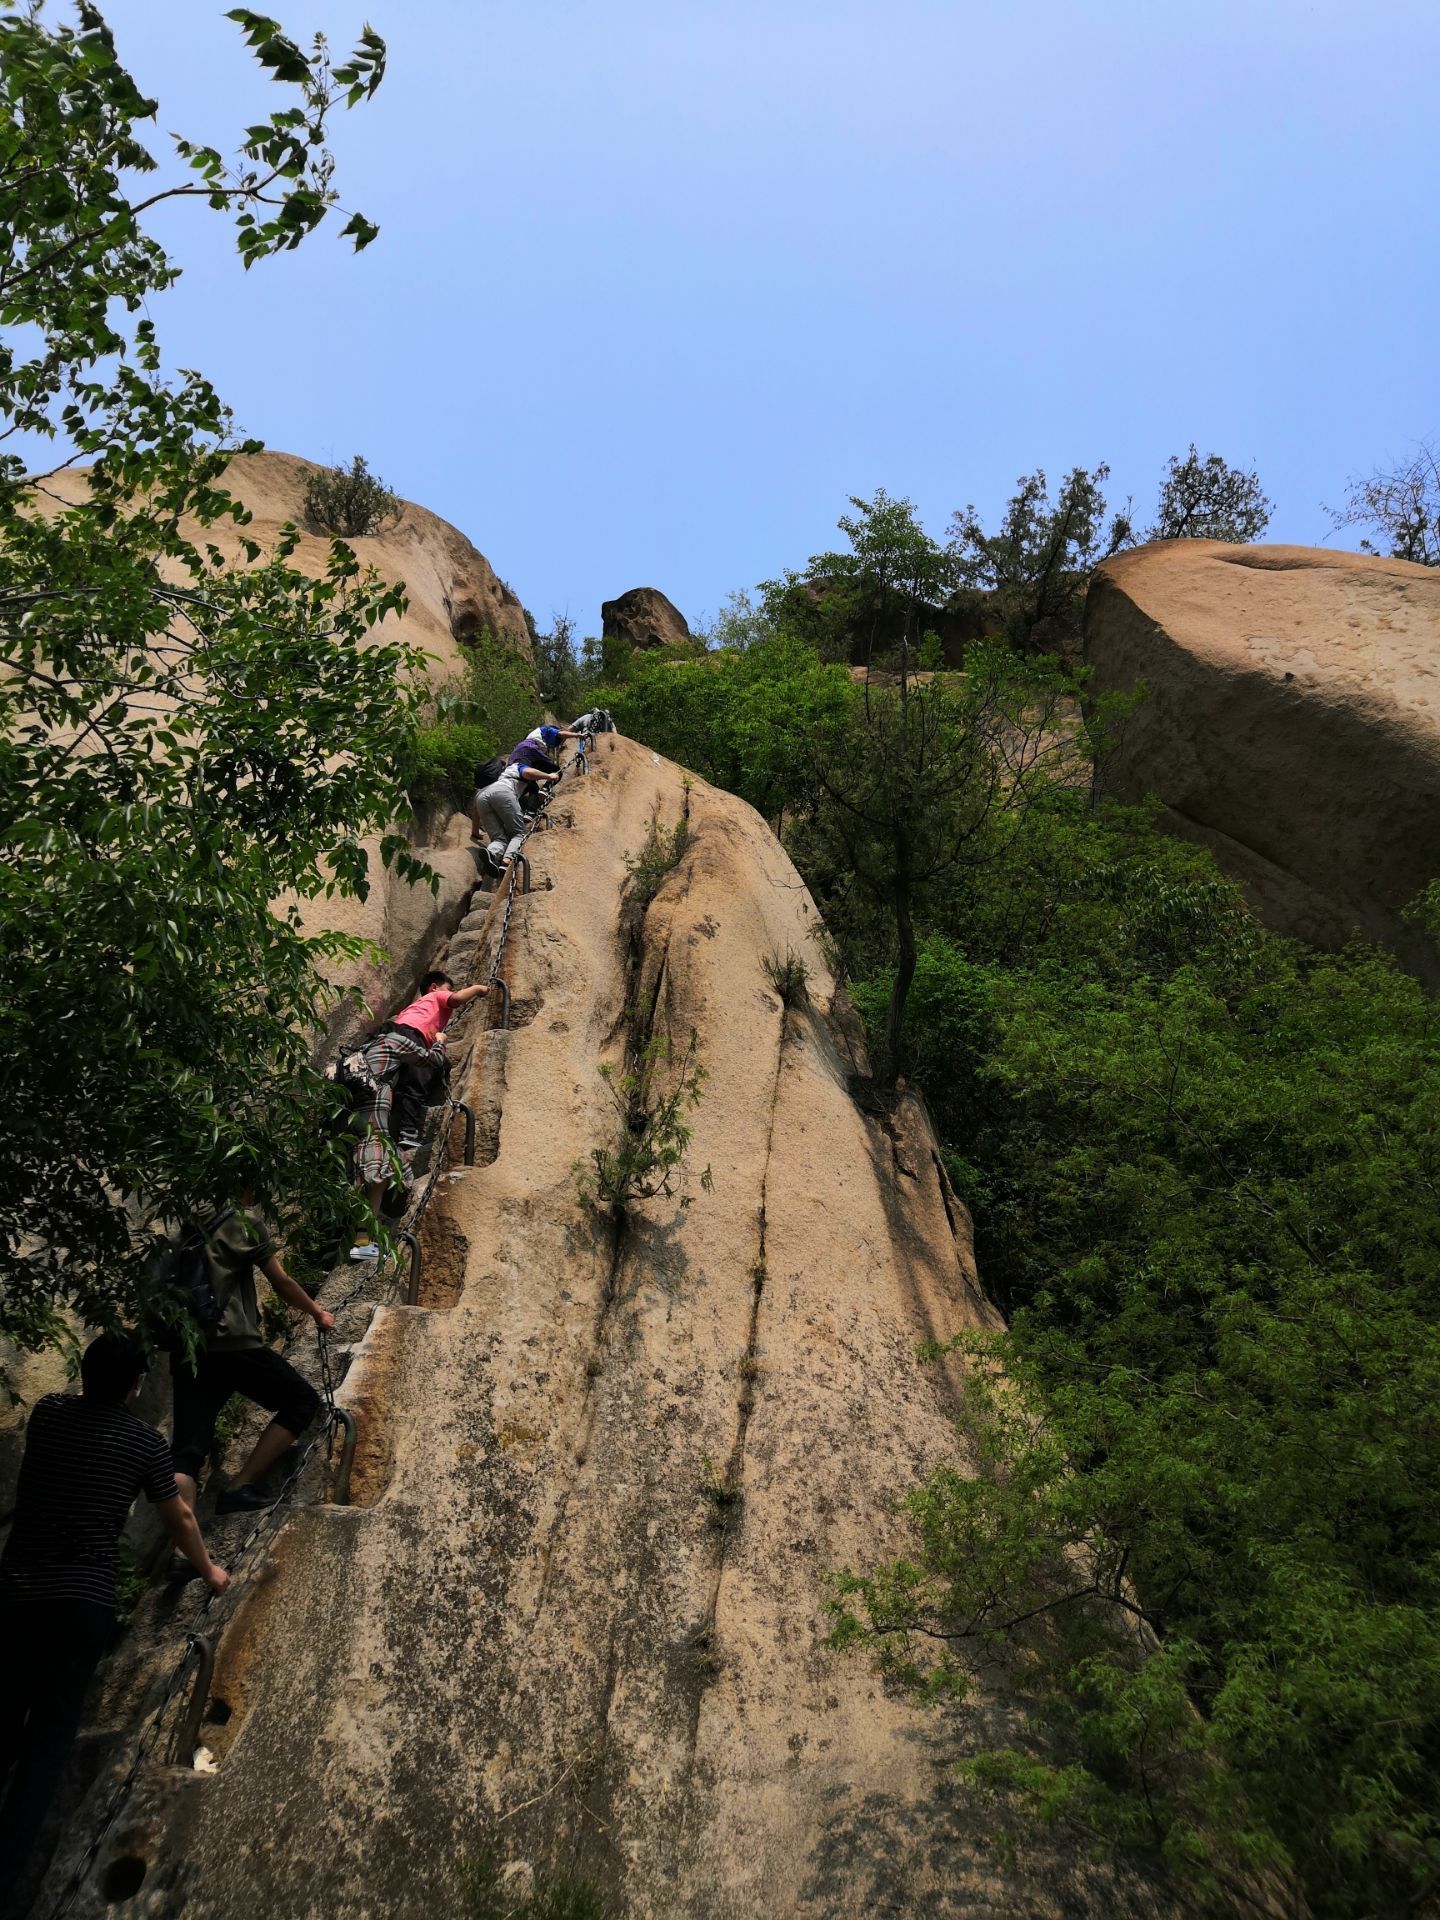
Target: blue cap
column 550, row 735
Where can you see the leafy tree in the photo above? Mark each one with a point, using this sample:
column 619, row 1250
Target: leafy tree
column 1204, row 1169
column 182, row 741
column 561, row 684
column 871, row 601
column 1402, row 505
column 1036, row 565
column 740, row 719
column 1209, row 500
column 740, row 623
column 917, row 782
column 349, row 501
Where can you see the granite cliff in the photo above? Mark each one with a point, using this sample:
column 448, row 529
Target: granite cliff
column 574, row 1617
column 1291, row 723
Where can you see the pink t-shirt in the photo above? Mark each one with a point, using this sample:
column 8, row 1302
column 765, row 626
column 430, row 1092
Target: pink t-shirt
column 429, row 1014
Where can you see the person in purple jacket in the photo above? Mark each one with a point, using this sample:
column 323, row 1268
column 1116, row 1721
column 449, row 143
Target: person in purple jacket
column 497, row 808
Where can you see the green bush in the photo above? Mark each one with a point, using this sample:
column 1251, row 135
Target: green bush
column 349, row 501
column 649, row 1161
column 789, row 976
column 442, row 764
column 662, row 852
column 485, row 711
column 1206, row 1166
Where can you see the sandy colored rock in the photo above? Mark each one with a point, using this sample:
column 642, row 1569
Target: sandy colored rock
column 543, row 1634
column 402, row 919
column 454, row 592
column 644, row 618
column 1292, row 724
column 454, row 595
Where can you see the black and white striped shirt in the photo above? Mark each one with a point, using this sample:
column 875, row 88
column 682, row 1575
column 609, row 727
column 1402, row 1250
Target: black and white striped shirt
column 84, row 1464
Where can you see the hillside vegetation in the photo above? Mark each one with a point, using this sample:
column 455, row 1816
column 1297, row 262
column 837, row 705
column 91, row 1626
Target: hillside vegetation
column 1203, row 1166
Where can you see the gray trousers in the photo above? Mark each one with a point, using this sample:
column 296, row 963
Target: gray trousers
column 496, row 809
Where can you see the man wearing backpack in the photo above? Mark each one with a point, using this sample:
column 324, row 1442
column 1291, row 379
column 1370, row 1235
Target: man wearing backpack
column 236, row 1359
column 496, row 808
column 86, row 1459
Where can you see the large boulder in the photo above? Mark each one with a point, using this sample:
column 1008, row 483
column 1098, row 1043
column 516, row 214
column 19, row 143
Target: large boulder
column 643, row 618
column 454, row 592
column 1292, row 723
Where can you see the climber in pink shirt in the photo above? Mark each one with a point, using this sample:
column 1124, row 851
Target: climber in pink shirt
column 428, row 1016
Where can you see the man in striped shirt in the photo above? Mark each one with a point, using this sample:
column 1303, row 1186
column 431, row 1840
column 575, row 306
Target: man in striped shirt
column 86, row 1458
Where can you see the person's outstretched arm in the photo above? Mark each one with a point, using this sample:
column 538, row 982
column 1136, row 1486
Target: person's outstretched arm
column 295, row 1295
column 465, row 995
column 178, row 1517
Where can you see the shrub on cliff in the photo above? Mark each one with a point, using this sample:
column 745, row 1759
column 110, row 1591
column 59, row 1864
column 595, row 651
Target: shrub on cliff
column 483, row 712
column 183, row 742
column 1210, row 500
column 349, row 501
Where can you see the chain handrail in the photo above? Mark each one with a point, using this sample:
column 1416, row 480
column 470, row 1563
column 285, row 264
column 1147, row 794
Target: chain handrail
column 206, row 1627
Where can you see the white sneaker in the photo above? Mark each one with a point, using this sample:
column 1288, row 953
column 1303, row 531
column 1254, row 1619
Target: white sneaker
column 365, row 1250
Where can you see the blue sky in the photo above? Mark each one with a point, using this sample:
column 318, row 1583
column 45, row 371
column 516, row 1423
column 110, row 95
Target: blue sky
column 659, row 285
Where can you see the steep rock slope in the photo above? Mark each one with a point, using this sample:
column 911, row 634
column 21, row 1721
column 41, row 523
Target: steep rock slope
column 1292, row 723
column 576, row 1615
column 455, row 593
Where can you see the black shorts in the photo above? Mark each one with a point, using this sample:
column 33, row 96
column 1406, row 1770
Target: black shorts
column 256, row 1372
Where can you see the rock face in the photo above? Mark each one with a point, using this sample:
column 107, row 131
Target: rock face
column 455, row 594
column 403, row 920
column 643, row 618
column 1292, row 724
column 575, row 1616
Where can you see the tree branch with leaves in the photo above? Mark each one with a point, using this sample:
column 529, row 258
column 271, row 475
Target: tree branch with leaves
column 184, row 739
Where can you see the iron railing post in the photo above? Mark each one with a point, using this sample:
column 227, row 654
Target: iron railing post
column 412, row 1278
column 187, row 1734
column 343, row 1417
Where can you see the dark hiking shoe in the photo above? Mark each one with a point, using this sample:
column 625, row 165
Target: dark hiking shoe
column 244, row 1500
column 178, row 1570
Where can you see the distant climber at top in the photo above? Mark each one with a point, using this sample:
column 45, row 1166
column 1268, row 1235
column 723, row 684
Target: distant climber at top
column 497, row 807
column 550, row 737
column 86, row 1458
column 597, row 720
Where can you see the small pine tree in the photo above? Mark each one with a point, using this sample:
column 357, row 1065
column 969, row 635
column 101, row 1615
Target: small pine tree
column 349, row 501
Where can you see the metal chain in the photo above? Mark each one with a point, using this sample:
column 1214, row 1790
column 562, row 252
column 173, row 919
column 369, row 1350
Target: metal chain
column 269, row 1522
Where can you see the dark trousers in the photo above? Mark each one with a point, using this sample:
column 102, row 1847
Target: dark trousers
column 51, row 1650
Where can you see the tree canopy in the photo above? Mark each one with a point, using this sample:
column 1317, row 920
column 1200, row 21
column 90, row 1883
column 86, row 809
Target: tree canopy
column 1209, row 500
column 183, row 741
column 1401, row 505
